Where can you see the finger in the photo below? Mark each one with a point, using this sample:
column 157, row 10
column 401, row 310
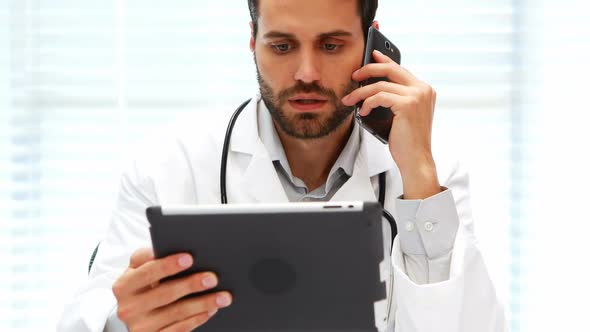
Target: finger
column 381, row 99
column 171, row 291
column 382, row 58
column 190, row 323
column 394, row 72
column 151, row 273
column 140, row 257
column 372, row 89
column 184, row 309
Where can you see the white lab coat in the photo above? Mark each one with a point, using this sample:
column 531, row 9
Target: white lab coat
column 186, row 171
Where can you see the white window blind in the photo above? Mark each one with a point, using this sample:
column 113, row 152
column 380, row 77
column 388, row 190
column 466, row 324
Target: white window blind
column 82, row 83
column 60, row 156
column 551, row 223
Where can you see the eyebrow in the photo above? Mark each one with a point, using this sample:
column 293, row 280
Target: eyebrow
column 335, row 33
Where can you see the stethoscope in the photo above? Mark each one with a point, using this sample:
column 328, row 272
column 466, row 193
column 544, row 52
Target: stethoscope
column 223, row 175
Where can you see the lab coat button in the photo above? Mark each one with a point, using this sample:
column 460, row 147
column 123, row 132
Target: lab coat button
column 429, row 226
column 409, row 226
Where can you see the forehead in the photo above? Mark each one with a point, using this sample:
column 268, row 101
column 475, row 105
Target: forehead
column 311, row 17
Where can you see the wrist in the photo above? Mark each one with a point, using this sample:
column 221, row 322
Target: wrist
column 421, row 181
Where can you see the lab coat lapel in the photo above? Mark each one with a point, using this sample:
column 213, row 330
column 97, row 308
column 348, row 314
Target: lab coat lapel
column 373, row 158
column 358, row 187
column 260, row 179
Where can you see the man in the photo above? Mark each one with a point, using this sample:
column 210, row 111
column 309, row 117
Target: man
column 297, row 141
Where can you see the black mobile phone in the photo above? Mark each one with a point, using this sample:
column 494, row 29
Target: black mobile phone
column 379, row 121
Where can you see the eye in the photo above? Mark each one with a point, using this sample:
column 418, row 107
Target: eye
column 281, row 48
column 331, row 47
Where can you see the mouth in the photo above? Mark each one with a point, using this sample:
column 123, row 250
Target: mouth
column 307, row 102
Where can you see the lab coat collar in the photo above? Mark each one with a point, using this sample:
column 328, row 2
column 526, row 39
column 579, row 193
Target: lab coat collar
column 245, row 138
column 373, row 158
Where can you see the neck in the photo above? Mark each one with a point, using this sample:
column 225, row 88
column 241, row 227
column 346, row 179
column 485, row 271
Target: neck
column 312, row 159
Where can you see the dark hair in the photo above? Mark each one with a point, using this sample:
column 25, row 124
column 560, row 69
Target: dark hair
column 367, row 10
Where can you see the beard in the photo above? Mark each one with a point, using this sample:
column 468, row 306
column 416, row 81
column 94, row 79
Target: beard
column 306, row 125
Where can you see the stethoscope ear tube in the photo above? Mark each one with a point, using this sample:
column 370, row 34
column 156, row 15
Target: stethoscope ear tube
column 386, row 214
column 225, row 150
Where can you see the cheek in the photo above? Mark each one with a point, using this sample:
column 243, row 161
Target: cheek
column 338, row 75
column 338, row 70
column 274, row 70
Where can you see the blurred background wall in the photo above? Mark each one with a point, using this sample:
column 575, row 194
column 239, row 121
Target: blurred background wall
column 84, row 83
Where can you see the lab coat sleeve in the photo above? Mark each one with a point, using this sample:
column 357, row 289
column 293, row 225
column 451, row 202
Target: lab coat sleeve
column 435, row 235
column 128, row 231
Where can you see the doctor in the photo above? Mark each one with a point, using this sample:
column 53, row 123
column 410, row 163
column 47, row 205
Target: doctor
column 297, row 141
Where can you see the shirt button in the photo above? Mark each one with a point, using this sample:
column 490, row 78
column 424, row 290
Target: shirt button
column 409, row 226
column 429, row 226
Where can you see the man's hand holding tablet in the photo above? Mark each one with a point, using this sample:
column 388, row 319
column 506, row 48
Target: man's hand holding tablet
column 145, row 304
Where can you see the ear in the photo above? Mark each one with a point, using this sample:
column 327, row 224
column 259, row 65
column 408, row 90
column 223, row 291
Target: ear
column 252, row 42
column 375, row 25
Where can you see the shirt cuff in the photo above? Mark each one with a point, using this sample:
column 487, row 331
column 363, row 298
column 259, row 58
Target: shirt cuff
column 429, row 226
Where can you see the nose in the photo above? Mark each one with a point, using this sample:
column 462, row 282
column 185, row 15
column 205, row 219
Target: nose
column 308, row 71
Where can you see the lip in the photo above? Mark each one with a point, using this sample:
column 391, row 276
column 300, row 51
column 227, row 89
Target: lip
column 307, row 107
column 308, row 96
column 321, row 101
